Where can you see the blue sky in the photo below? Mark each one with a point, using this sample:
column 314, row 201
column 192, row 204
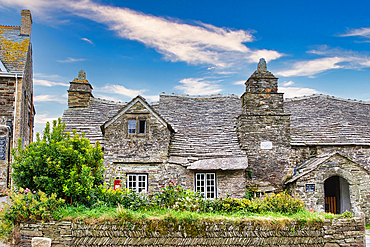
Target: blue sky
column 193, row 47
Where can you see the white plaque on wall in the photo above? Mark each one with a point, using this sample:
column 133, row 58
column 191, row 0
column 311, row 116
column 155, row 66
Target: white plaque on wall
column 266, row 145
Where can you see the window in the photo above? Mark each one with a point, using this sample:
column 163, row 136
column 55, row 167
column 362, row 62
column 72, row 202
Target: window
column 131, row 126
column 137, row 182
column 142, row 126
column 206, row 184
column 139, row 125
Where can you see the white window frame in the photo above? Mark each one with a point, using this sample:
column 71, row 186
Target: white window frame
column 131, row 126
column 137, row 182
column 204, row 182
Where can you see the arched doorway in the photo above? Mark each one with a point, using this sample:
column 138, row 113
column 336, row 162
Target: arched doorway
column 337, row 198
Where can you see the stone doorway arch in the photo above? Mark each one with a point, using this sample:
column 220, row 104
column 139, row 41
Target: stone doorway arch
column 337, row 195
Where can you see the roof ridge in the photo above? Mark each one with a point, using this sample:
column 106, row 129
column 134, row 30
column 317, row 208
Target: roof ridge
column 7, row 26
column 225, row 95
column 110, row 101
column 328, row 97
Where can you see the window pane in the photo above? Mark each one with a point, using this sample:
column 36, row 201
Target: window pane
column 131, row 126
column 142, row 126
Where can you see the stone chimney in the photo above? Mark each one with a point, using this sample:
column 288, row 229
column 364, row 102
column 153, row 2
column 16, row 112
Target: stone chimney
column 26, row 22
column 264, row 130
column 79, row 93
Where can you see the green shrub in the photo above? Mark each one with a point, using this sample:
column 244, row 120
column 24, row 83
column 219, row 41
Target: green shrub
column 26, row 205
column 124, row 197
column 61, row 164
column 282, row 203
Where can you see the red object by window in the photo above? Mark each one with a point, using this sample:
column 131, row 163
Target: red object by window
column 117, row 184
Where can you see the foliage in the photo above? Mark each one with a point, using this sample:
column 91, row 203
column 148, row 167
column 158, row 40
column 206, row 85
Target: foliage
column 124, row 197
column 282, row 202
column 347, row 215
column 61, row 164
column 28, row 205
column 175, row 197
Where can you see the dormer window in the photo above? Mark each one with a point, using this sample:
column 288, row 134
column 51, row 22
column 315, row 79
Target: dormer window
column 142, row 126
column 131, row 126
column 137, row 126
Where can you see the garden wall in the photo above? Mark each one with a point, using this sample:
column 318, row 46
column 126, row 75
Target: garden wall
column 334, row 232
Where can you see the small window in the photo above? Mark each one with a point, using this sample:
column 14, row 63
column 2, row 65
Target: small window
column 142, row 126
column 206, row 184
column 131, row 126
column 137, row 182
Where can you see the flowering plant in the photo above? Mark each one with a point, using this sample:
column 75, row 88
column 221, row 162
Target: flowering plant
column 25, row 204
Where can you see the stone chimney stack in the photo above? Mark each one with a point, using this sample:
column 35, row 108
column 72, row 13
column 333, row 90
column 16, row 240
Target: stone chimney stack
column 80, row 91
column 26, row 22
column 264, row 130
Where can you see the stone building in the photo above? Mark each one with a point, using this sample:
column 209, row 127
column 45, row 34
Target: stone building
column 316, row 146
column 16, row 91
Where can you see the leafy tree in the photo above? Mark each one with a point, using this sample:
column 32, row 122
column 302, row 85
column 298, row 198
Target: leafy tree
column 61, row 164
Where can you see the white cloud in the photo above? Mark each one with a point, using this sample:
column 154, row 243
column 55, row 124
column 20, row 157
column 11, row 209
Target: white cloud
column 312, row 67
column 333, row 59
column 199, row 43
column 290, row 92
column 287, row 83
column 362, row 32
column 239, row 83
column 49, row 98
column 48, row 83
column 87, row 40
column 43, row 118
column 198, row 86
column 119, row 89
column 71, row 60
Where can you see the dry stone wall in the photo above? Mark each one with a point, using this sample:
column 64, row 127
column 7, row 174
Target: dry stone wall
column 334, row 232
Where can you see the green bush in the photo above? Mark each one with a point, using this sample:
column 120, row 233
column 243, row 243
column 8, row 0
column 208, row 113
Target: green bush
column 61, row 164
column 26, row 205
column 282, row 203
column 124, row 197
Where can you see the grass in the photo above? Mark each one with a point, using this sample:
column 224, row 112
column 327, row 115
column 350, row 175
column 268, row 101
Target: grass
column 103, row 213
column 367, row 226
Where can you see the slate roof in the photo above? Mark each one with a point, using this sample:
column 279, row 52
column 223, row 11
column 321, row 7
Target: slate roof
column 205, row 126
column 89, row 119
column 13, row 48
column 323, row 119
column 309, row 165
column 224, row 164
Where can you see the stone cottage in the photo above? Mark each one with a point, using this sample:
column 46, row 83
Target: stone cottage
column 317, row 146
column 16, row 91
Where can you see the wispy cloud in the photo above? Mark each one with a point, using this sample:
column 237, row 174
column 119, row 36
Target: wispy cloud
column 196, row 43
column 333, row 59
column 239, row 83
column 49, row 98
column 361, row 32
column 119, row 89
column 198, row 86
column 291, row 92
column 48, row 83
column 71, row 60
column 43, row 118
column 87, row 40
column 287, row 83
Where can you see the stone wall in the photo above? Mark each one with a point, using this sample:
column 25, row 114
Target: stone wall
column 356, row 177
column 334, row 232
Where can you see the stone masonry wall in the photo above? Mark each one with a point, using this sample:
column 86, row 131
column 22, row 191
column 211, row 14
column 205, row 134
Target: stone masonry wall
column 267, row 165
column 357, row 153
column 357, row 178
column 334, row 232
